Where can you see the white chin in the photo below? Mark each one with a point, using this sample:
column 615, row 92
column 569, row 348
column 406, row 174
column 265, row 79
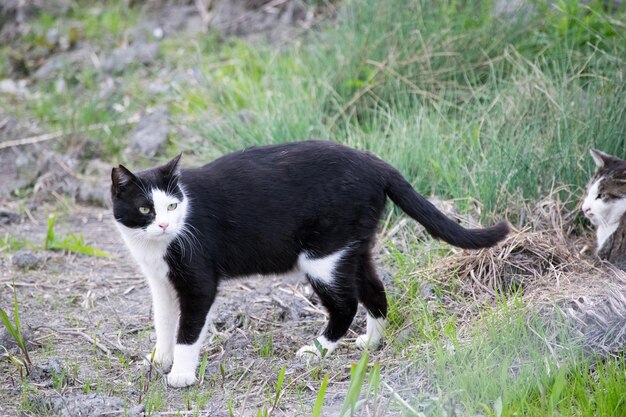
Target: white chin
column 160, row 236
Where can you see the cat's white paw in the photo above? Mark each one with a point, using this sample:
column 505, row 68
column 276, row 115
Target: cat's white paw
column 162, row 358
column 365, row 342
column 321, row 348
column 308, row 352
column 180, row 379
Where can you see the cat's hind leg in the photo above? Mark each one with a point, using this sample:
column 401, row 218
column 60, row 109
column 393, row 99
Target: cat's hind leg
column 332, row 278
column 372, row 295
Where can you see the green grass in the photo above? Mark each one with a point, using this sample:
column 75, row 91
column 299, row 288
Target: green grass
column 509, row 369
column 14, row 328
column 463, row 103
column 71, row 243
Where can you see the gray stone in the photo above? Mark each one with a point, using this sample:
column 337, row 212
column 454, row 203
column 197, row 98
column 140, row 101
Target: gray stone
column 94, row 192
column 151, row 132
column 45, row 371
column 244, row 18
column 428, row 291
column 8, row 217
column 26, row 168
column 52, row 36
column 513, row 9
column 56, row 175
column 95, row 184
column 26, row 259
column 13, row 87
column 63, row 61
column 84, row 405
column 121, row 58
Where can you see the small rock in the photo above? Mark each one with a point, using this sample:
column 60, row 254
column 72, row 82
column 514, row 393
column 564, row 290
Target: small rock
column 94, row 192
column 158, row 33
column 94, row 187
column 26, row 260
column 151, row 132
column 247, row 117
column 121, row 58
column 26, row 168
column 8, row 217
column 428, row 291
column 45, row 371
column 87, row 405
column 64, row 62
column 52, row 36
column 55, row 175
column 16, row 88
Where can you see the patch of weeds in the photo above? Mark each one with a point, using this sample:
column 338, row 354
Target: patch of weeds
column 14, row 328
column 155, row 400
column 10, row 243
column 104, row 21
column 59, row 381
column 584, row 23
column 196, row 400
column 264, row 345
column 71, row 243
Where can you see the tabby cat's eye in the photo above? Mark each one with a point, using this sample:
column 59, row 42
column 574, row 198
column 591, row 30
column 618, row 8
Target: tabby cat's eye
column 600, row 196
column 144, row 210
column 172, row 206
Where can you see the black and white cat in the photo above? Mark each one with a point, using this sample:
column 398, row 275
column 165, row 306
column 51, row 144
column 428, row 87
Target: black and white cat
column 605, row 206
column 311, row 206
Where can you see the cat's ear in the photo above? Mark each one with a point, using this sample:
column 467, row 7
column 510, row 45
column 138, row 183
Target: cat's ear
column 600, row 158
column 171, row 168
column 120, row 177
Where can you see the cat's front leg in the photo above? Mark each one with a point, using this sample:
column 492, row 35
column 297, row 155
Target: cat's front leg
column 192, row 329
column 166, row 313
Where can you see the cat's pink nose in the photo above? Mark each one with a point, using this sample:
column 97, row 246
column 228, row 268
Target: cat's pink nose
column 163, row 226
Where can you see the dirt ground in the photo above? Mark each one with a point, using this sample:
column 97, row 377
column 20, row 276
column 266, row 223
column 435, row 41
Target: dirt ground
column 88, row 319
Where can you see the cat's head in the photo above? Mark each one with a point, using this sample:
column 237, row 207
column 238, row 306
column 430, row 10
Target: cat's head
column 605, row 202
column 151, row 204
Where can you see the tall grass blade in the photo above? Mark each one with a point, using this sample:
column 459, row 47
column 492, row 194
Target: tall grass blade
column 357, row 376
column 319, row 401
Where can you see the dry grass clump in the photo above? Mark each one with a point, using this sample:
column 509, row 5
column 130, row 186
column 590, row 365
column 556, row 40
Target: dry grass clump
column 552, row 270
column 523, row 261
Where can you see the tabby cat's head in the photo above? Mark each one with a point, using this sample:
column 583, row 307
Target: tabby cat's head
column 151, row 204
column 605, row 202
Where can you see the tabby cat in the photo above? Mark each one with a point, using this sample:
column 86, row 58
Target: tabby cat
column 310, row 206
column 605, row 206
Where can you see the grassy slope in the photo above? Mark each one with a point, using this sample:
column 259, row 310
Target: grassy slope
column 462, row 103
column 465, row 105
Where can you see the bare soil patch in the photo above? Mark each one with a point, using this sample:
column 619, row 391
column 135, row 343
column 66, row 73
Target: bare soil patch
column 91, row 318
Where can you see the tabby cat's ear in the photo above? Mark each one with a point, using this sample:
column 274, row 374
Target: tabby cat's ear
column 121, row 176
column 171, row 168
column 600, row 158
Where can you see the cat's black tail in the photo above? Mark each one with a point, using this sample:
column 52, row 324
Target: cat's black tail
column 400, row 191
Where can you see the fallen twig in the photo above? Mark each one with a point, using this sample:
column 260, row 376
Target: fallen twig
column 55, row 135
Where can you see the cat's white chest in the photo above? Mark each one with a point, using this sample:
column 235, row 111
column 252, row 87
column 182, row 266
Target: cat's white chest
column 603, row 233
column 149, row 255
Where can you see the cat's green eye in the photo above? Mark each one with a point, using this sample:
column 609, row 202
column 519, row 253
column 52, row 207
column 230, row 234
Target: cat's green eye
column 172, row 206
column 144, row 210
